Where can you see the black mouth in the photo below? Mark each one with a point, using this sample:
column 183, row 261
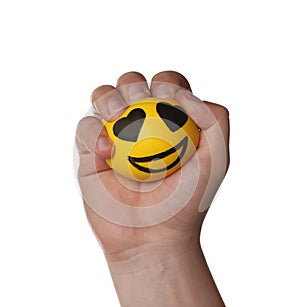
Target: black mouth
column 181, row 145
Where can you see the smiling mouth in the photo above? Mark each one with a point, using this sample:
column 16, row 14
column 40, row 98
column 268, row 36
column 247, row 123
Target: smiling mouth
column 181, row 146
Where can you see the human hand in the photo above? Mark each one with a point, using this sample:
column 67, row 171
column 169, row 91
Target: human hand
column 167, row 238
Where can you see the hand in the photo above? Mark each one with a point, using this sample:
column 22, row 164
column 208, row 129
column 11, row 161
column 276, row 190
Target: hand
column 141, row 247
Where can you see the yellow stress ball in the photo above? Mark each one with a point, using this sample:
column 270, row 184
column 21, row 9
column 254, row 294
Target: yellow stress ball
column 153, row 138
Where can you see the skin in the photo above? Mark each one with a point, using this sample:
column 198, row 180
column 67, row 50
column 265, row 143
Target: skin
column 160, row 265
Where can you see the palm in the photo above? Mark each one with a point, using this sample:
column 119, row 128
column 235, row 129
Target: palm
column 117, row 238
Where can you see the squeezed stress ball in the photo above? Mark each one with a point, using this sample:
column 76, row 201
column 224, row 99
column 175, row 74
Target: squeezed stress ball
column 153, row 138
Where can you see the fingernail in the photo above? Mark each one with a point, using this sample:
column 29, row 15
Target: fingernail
column 165, row 91
column 186, row 99
column 114, row 105
column 189, row 95
column 103, row 144
column 137, row 92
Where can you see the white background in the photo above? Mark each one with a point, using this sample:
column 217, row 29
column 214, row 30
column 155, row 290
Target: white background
column 243, row 54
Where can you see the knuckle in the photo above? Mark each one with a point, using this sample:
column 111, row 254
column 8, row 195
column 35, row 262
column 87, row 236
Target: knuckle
column 100, row 91
column 130, row 77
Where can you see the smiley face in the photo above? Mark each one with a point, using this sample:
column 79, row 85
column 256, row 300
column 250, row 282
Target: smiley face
column 153, row 138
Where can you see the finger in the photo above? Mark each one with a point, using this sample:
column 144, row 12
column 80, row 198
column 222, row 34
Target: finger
column 93, row 146
column 133, row 87
column 213, row 152
column 212, row 119
column 203, row 113
column 221, row 114
column 107, row 102
column 165, row 84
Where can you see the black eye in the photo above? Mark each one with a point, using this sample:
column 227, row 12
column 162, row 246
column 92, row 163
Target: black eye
column 173, row 116
column 128, row 128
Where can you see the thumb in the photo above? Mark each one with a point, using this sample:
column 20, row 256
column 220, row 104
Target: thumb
column 93, row 146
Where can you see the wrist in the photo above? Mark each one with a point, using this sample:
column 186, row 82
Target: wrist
column 172, row 277
column 148, row 256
